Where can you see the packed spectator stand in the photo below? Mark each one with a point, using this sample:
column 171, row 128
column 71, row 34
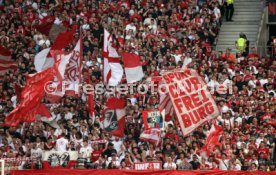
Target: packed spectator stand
column 161, row 32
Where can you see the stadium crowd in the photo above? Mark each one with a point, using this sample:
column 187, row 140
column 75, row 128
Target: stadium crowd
column 159, row 30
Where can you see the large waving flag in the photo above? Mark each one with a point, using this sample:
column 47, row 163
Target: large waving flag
column 133, row 67
column 114, row 116
column 73, row 71
column 112, row 71
column 212, row 139
column 193, row 104
column 44, row 59
column 31, row 97
column 68, row 77
column 60, row 82
column 6, row 63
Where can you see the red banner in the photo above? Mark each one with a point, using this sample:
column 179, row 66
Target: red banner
column 148, row 166
column 127, row 172
column 191, row 99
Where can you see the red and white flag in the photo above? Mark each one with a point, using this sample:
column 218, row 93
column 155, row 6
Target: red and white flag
column 68, row 77
column 58, row 84
column 152, row 135
column 193, row 103
column 45, row 25
column 166, row 105
column 73, row 71
column 49, row 28
column 44, row 59
column 112, row 69
column 6, row 63
column 114, row 116
column 212, row 139
column 133, row 67
column 31, row 97
column 165, row 102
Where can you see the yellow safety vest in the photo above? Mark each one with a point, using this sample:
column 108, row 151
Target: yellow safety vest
column 230, row 1
column 241, row 44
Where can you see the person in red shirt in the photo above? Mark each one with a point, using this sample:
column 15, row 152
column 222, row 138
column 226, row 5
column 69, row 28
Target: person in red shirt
column 252, row 145
column 230, row 58
column 253, row 53
column 264, row 150
column 171, row 134
column 96, row 153
column 128, row 161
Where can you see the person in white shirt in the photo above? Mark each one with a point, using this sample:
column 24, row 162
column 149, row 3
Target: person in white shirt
column 67, row 114
column 223, row 162
column 240, row 58
column 86, row 150
column 113, row 162
column 148, row 20
column 117, row 144
column 131, row 26
column 263, row 81
column 36, row 153
column 251, row 67
column 58, row 21
column 62, row 143
column 60, row 130
column 213, row 84
column 217, row 12
column 260, row 139
column 235, row 165
column 252, row 83
column 226, row 119
column 169, row 165
column 55, row 115
column 182, row 163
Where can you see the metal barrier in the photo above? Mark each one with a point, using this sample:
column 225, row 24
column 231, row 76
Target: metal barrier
column 263, row 32
column 11, row 164
column 2, row 166
column 264, row 50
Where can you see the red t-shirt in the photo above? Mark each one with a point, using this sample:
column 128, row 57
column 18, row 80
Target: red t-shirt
column 95, row 155
column 172, row 136
column 253, row 55
column 263, row 150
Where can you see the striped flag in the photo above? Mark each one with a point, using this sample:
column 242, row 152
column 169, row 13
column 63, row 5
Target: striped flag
column 165, row 102
column 6, row 63
column 133, row 67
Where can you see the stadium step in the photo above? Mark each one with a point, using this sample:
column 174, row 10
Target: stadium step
column 246, row 19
